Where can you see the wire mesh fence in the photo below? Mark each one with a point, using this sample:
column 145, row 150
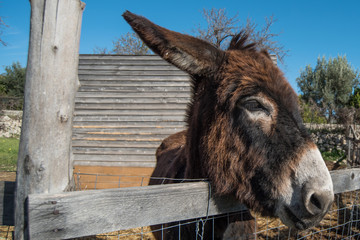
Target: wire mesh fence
column 341, row 222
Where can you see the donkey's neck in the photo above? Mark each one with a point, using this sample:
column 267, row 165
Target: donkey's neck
column 194, row 156
column 200, row 115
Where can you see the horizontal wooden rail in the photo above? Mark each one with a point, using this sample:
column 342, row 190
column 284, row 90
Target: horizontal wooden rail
column 346, row 180
column 75, row 214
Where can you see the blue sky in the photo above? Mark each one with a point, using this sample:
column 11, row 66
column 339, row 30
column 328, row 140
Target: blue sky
column 309, row 28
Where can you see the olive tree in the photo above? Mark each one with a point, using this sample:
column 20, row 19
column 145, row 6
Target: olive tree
column 329, row 84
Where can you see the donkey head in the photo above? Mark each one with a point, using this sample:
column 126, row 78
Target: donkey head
column 245, row 132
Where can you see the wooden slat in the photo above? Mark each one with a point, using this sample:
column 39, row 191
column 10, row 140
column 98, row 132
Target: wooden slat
column 116, row 171
column 145, row 101
column 115, row 164
column 129, row 138
column 133, row 83
column 135, row 78
column 147, row 130
column 119, row 135
column 114, row 144
column 120, row 140
column 113, row 151
column 115, row 157
column 132, row 88
column 120, row 57
column 346, row 180
column 110, row 124
column 140, row 125
column 128, row 83
column 65, row 215
column 96, row 118
column 133, row 72
column 133, row 94
column 130, row 112
column 130, row 67
column 124, row 106
column 123, row 62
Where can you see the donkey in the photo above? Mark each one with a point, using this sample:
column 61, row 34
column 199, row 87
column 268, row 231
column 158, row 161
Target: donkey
column 244, row 130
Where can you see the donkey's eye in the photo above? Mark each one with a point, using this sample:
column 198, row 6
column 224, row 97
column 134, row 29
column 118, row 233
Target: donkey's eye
column 254, row 106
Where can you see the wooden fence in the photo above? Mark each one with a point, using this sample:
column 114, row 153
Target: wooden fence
column 353, row 142
column 84, row 213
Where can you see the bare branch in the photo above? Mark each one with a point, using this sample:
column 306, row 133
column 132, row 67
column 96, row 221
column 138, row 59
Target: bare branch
column 127, row 44
column 100, row 50
column 2, row 27
column 130, row 43
column 220, row 27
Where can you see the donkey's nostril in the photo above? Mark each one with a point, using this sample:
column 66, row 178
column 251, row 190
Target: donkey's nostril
column 314, row 200
column 317, row 201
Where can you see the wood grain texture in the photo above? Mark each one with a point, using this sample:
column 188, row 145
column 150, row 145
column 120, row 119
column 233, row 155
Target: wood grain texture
column 44, row 161
column 145, row 92
column 346, row 180
column 65, row 215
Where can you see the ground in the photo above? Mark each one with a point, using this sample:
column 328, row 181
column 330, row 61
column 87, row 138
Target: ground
column 8, row 176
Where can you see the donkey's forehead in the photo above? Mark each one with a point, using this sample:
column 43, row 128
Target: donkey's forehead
column 246, row 73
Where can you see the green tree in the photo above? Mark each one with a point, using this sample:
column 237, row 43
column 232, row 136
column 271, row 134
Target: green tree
column 330, row 84
column 310, row 113
column 355, row 98
column 12, row 82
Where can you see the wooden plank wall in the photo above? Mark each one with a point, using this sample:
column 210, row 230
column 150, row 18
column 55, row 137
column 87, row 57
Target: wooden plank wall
column 125, row 107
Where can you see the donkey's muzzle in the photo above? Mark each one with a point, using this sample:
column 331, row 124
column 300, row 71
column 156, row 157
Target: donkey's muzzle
column 311, row 193
column 316, row 203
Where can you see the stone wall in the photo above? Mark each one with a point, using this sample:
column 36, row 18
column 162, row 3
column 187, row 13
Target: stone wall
column 329, row 137
column 10, row 124
column 328, row 141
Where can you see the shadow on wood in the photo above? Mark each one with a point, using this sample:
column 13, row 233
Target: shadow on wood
column 7, row 196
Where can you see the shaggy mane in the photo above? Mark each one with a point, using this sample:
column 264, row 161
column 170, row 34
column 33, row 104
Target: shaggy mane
column 240, row 42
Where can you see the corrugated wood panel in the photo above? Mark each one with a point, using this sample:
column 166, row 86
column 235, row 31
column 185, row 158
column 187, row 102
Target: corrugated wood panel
column 125, row 107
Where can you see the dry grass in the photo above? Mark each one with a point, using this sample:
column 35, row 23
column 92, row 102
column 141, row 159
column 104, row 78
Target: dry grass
column 6, row 232
column 141, row 233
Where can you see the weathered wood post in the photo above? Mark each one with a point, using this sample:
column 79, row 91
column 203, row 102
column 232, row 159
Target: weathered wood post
column 45, row 158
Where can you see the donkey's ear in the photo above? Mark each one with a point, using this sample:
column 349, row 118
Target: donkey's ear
column 190, row 54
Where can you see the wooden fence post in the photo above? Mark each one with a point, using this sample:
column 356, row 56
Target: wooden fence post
column 45, row 158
